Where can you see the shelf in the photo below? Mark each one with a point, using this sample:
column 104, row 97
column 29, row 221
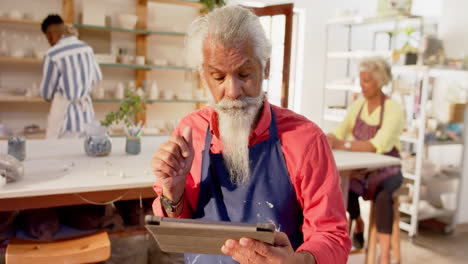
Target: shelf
column 20, row 60
column 193, row 3
column 408, row 175
column 405, row 69
column 438, row 213
column 344, row 87
column 114, row 65
column 439, row 179
column 155, row 101
column 145, row 67
column 414, row 140
column 356, row 55
column 360, row 20
column 19, row 21
column 405, row 226
column 409, row 139
column 17, row 98
column 136, row 31
column 405, row 210
column 434, row 71
column 438, row 71
column 443, row 143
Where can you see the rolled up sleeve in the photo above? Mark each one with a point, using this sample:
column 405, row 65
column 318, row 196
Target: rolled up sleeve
column 325, row 223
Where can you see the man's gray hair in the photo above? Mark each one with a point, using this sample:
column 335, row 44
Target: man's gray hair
column 229, row 26
column 379, row 68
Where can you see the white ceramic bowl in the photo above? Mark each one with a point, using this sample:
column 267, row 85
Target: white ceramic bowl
column 15, row 14
column 127, row 21
column 449, row 201
column 2, row 181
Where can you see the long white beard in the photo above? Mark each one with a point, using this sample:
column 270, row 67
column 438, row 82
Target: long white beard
column 236, row 119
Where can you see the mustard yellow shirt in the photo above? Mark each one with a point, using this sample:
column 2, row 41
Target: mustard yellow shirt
column 388, row 136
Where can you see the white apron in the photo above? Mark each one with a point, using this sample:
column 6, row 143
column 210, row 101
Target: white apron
column 56, row 119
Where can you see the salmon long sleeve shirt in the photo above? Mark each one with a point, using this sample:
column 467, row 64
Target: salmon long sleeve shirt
column 311, row 168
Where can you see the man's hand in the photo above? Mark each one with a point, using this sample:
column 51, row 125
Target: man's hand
column 172, row 162
column 249, row 251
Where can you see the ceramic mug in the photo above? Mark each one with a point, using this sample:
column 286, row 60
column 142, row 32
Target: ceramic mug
column 119, row 91
column 140, row 60
column 133, row 145
column 154, row 91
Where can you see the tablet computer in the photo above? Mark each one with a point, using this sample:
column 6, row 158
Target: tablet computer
column 201, row 236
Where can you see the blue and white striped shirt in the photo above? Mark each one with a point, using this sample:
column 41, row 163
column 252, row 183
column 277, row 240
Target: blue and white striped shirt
column 71, row 69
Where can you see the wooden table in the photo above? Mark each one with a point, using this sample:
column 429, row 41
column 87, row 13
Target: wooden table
column 348, row 161
column 58, row 173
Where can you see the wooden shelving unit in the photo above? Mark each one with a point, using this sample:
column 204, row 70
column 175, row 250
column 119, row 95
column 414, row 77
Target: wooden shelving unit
column 19, row 21
column 110, row 65
column 20, row 60
column 17, row 99
column 134, row 31
column 25, row 99
column 141, row 32
column 194, row 3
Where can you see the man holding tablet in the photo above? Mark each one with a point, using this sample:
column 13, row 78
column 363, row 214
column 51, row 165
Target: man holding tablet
column 244, row 160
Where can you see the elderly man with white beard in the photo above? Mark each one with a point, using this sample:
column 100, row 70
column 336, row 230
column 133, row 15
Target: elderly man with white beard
column 244, row 160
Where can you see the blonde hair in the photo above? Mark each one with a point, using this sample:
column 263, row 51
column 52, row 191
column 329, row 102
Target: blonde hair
column 379, row 68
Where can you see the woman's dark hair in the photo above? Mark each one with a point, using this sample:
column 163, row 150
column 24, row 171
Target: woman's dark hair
column 51, row 20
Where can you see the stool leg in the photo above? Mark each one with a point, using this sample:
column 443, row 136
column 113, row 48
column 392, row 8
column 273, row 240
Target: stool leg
column 396, row 231
column 372, row 238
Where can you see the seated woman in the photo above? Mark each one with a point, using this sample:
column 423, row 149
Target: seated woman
column 372, row 124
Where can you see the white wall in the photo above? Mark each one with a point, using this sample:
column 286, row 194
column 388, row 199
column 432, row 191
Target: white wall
column 454, row 27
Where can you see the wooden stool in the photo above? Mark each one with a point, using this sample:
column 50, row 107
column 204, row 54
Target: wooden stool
column 395, row 238
column 88, row 249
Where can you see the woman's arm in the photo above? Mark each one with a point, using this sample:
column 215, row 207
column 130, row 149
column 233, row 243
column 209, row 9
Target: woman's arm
column 356, row 145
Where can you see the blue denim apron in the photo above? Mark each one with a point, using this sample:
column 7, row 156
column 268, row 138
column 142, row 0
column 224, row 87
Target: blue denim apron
column 268, row 197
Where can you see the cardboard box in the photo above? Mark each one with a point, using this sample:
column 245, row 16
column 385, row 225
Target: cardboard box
column 457, row 113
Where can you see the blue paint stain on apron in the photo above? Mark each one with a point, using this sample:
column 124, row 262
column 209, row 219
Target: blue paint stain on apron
column 268, row 197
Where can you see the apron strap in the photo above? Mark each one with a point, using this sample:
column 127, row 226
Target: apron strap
column 273, row 129
column 360, row 110
column 382, row 110
column 208, row 137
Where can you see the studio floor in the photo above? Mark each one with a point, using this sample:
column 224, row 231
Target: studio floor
column 429, row 247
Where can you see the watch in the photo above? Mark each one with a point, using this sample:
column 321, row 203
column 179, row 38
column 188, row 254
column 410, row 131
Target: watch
column 347, row 144
column 171, row 206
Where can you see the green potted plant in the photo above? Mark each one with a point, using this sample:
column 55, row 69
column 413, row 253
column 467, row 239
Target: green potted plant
column 209, row 5
column 409, row 50
column 131, row 105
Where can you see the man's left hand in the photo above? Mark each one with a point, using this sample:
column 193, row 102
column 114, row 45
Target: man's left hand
column 249, row 251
